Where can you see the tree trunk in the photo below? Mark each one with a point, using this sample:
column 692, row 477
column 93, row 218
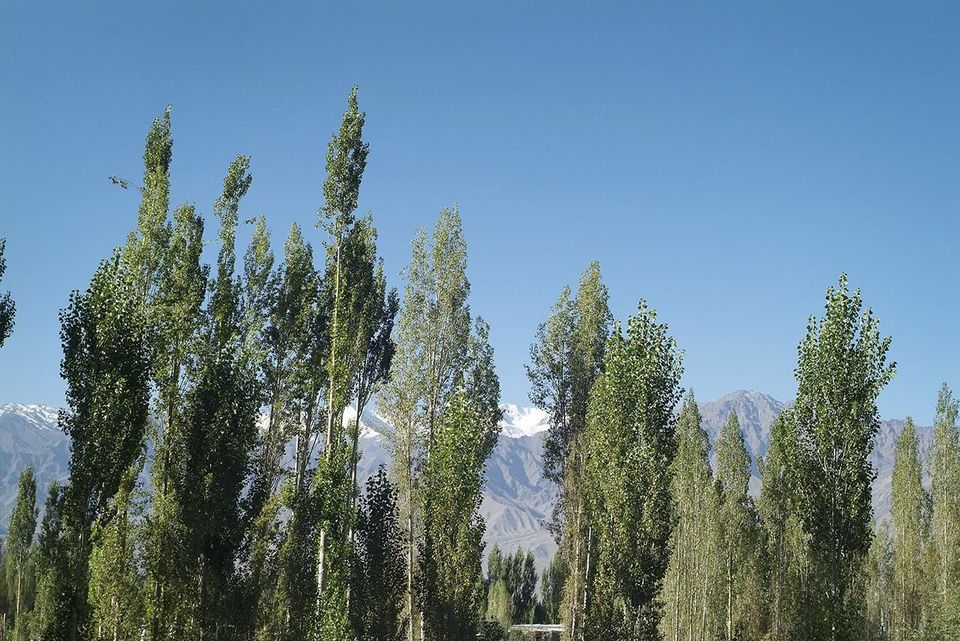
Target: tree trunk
column 321, row 573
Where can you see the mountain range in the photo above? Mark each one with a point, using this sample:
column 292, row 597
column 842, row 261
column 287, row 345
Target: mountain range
column 517, row 500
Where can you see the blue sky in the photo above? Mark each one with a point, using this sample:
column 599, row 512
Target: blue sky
column 725, row 163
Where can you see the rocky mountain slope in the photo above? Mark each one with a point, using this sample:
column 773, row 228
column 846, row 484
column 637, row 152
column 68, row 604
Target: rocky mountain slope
column 517, row 501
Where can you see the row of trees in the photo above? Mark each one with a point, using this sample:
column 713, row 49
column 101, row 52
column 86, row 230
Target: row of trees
column 913, row 584
column 512, row 595
column 213, row 490
column 660, row 543
column 213, row 484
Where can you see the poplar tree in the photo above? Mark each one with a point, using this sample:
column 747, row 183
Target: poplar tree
column 177, row 306
column 117, row 596
column 432, row 337
column 286, row 298
column 346, row 161
column 739, row 535
column 8, row 309
column 518, row 573
column 842, row 366
column 631, row 443
column 692, row 586
column 551, row 588
column 378, row 568
column 374, row 354
column 106, row 365
column 908, row 514
column 451, row 551
column 17, row 551
column 944, row 579
column 789, row 578
column 878, row 592
column 218, row 436
column 48, row 621
column 565, row 360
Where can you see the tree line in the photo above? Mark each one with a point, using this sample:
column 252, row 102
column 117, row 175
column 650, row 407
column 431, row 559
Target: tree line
column 658, row 532
column 213, row 487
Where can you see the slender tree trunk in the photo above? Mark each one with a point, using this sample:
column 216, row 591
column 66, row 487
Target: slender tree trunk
column 321, row 562
column 410, row 603
column 729, row 591
column 19, row 581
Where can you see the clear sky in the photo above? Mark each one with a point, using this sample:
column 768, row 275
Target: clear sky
column 724, row 162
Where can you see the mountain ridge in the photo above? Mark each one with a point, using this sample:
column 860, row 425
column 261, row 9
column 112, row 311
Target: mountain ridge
column 517, row 500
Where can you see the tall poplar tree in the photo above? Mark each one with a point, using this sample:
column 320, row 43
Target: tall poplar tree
column 177, row 307
column 451, row 587
column 945, row 525
column 218, row 437
column 631, row 443
column 842, row 366
column 117, row 596
column 378, row 567
column 346, row 162
column 432, row 338
column 17, row 551
column 909, row 517
column 48, row 621
column 565, row 359
column 789, row 578
column 740, row 537
column 106, row 365
column 878, row 591
column 692, row 586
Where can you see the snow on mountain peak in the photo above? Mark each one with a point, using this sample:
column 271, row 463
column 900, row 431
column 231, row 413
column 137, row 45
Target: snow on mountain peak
column 522, row 421
column 42, row 417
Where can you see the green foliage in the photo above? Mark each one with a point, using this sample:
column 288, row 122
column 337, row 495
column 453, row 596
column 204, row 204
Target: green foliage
column 910, row 527
column 878, row 589
column 450, row 577
column 841, row 368
column 565, row 359
column 117, row 595
column 17, row 553
column 346, row 162
column 944, row 575
column 48, row 621
column 740, row 537
column 433, row 352
column 551, row 588
column 378, row 567
column 519, row 576
column 106, row 364
column 788, row 574
column 631, row 443
column 8, row 309
column 500, row 604
column 691, row 591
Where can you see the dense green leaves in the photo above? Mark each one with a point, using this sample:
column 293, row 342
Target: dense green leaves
column 842, row 366
column 17, row 553
column 378, row 565
column 909, row 516
column 8, row 309
column 692, row 586
column 631, row 442
column 565, row 360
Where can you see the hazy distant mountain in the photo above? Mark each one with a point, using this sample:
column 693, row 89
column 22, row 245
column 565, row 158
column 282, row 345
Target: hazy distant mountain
column 517, row 501
column 29, row 436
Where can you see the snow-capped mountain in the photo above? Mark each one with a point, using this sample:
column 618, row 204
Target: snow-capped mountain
column 517, row 500
column 29, row 436
column 519, row 422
